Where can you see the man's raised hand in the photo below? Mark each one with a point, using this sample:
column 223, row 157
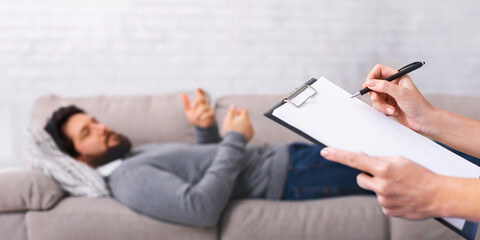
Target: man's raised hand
column 238, row 121
column 199, row 112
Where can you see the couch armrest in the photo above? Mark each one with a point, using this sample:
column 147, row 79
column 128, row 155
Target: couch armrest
column 22, row 190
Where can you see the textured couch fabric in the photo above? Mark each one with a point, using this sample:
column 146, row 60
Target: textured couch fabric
column 144, row 119
column 13, row 226
column 160, row 119
column 23, row 190
column 83, row 218
column 327, row 219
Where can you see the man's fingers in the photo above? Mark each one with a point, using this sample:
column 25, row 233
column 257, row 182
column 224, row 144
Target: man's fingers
column 201, row 109
column 204, row 112
column 200, row 93
column 200, row 97
column 186, row 101
column 230, row 113
column 208, row 114
column 359, row 161
column 243, row 113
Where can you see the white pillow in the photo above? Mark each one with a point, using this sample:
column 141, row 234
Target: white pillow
column 74, row 177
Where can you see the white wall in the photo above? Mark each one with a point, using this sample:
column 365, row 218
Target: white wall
column 79, row 48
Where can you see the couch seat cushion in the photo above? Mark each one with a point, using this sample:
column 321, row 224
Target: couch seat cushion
column 104, row 218
column 12, row 226
column 358, row 217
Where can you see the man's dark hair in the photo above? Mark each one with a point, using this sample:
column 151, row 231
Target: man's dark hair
column 54, row 128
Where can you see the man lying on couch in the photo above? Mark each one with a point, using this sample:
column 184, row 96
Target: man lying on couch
column 192, row 183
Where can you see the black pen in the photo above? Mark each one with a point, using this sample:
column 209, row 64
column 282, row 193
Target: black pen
column 401, row 72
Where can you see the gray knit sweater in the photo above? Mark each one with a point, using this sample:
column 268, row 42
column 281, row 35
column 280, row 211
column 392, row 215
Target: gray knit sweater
column 192, row 183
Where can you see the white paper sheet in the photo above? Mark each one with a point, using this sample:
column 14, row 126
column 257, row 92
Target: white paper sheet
column 336, row 120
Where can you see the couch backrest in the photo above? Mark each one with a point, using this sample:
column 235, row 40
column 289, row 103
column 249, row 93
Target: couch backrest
column 160, row 118
column 144, row 119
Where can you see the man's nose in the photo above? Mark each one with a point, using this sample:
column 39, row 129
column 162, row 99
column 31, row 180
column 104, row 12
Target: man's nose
column 101, row 128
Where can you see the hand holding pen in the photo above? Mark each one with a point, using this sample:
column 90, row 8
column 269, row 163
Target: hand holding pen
column 401, row 72
column 398, row 97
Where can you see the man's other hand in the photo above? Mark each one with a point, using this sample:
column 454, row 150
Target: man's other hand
column 238, row 121
column 199, row 112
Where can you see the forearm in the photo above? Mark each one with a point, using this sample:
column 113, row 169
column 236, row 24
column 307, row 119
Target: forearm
column 458, row 198
column 205, row 201
column 456, row 131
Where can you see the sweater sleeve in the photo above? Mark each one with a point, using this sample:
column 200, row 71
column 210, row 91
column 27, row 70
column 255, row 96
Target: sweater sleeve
column 208, row 134
column 169, row 198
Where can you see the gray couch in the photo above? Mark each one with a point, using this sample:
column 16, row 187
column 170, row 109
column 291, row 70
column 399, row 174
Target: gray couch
column 33, row 207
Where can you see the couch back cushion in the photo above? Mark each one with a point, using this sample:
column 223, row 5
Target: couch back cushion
column 160, row 118
column 144, row 119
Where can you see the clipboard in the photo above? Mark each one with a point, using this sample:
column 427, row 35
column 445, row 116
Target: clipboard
column 301, row 112
column 288, row 99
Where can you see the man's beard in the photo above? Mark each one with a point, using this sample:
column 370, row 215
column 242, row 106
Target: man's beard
column 113, row 153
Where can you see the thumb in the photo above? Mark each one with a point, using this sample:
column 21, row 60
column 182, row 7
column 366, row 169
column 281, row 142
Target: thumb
column 200, row 97
column 186, row 101
column 200, row 92
column 230, row 113
column 243, row 113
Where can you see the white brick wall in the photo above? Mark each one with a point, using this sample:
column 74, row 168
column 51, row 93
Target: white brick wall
column 79, row 48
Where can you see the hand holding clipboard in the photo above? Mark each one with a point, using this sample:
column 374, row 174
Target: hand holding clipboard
column 325, row 114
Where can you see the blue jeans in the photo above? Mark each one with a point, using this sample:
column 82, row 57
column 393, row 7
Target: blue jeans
column 310, row 176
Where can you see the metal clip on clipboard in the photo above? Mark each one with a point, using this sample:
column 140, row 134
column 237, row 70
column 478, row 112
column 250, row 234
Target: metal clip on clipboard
column 301, row 94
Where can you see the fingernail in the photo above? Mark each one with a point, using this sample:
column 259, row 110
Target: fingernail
column 389, row 111
column 324, row 152
column 371, row 83
column 372, row 96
